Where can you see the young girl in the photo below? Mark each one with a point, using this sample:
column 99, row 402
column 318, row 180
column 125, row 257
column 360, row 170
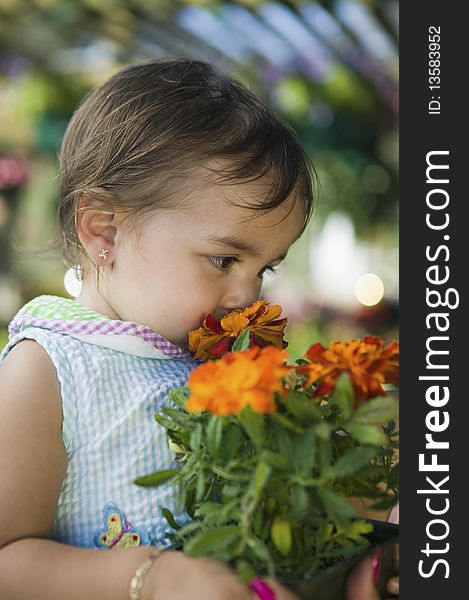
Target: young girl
column 179, row 190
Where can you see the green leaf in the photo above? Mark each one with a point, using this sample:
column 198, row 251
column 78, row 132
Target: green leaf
column 336, row 507
column 359, row 528
column 299, row 502
column 377, row 411
column 229, row 475
column 325, row 454
column 189, row 528
column 384, row 504
column 259, row 479
column 182, row 500
column 389, row 429
column 169, row 424
column 262, row 552
column 207, row 510
column 180, row 395
column 323, row 431
column 366, row 434
column 253, row 424
column 176, row 414
column 281, row 535
column 243, row 341
column 214, row 431
column 168, row 515
column 275, row 460
column 156, row 479
column 177, row 449
column 301, row 407
column 288, row 423
column 394, row 476
column 212, row 542
column 196, row 438
column 344, row 396
column 232, row 491
column 285, row 445
column 245, row 571
column 350, row 463
column 200, row 487
column 305, row 450
column 232, row 440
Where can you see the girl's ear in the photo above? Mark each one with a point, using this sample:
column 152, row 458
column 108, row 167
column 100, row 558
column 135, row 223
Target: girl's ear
column 96, row 228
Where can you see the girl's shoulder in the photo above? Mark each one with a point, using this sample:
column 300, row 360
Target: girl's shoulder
column 40, row 321
column 29, row 383
column 27, row 362
column 38, row 350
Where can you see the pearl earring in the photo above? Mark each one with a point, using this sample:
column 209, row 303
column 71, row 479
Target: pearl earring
column 103, row 253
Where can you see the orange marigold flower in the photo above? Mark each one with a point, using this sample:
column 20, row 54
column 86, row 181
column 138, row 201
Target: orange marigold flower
column 239, row 379
column 216, row 336
column 368, row 363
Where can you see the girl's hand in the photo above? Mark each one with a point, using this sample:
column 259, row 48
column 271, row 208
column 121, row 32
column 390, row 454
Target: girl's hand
column 393, row 583
column 360, row 585
column 179, row 577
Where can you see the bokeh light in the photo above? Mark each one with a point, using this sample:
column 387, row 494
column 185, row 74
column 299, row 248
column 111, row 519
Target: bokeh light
column 72, row 284
column 369, row 289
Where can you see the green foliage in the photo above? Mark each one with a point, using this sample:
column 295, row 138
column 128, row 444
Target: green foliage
column 243, row 341
column 156, row 479
column 3, row 337
column 268, row 492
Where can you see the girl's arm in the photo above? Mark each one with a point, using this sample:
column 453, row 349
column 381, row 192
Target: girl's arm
column 33, row 462
column 39, row 569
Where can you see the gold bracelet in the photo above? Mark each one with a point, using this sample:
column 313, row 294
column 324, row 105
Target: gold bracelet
column 138, row 579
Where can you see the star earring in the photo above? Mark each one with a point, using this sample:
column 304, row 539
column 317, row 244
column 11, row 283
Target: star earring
column 103, row 253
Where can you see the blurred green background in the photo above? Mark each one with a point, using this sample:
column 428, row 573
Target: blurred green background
column 330, row 69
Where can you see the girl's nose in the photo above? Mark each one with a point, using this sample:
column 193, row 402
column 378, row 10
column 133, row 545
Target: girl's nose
column 240, row 296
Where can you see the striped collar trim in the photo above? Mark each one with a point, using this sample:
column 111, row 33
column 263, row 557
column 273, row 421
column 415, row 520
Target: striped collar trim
column 63, row 315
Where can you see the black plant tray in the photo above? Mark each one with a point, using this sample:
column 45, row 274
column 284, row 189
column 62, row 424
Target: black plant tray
column 329, row 584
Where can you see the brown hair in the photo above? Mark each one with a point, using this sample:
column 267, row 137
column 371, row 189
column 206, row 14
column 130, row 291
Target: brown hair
column 141, row 134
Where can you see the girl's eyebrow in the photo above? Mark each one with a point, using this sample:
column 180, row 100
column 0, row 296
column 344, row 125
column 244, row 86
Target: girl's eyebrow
column 240, row 245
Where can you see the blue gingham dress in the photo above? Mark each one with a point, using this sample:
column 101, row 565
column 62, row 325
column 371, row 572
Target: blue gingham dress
column 114, row 376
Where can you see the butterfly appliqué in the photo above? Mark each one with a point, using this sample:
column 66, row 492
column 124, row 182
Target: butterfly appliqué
column 118, row 532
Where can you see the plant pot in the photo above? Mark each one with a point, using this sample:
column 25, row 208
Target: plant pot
column 329, row 584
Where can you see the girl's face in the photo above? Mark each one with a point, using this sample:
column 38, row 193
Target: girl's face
column 204, row 256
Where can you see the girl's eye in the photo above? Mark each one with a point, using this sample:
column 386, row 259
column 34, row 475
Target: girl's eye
column 222, row 262
column 225, row 262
